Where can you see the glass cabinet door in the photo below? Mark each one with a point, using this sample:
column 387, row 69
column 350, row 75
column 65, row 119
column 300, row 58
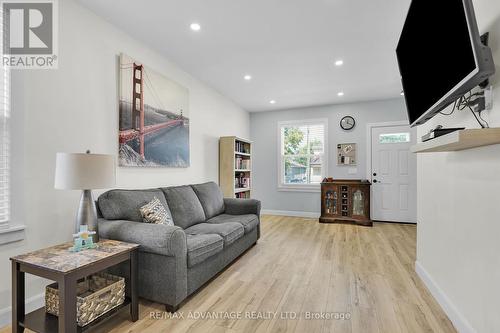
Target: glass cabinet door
column 358, row 203
column 331, row 200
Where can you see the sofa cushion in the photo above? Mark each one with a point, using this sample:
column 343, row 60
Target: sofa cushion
column 228, row 231
column 201, row 247
column 184, row 205
column 211, row 198
column 126, row 204
column 249, row 221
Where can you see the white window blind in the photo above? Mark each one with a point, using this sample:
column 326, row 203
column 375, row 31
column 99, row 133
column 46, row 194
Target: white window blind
column 4, row 146
column 10, row 233
column 302, row 153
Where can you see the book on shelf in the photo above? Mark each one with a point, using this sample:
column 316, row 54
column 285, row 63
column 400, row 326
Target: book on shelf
column 241, row 181
column 242, row 147
column 242, row 163
column 242, row 195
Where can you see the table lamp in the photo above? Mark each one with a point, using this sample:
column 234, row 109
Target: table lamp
column 85, row 172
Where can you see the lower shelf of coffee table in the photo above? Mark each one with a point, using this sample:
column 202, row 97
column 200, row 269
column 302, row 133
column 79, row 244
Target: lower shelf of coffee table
column 43, row 322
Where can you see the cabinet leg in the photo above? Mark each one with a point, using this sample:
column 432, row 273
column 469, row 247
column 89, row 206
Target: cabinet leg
column 67, row 305
column 18, row 294
column 134, row 299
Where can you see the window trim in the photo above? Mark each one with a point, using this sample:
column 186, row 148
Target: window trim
column 5, row 121
column 324, row 170
column 9, row 232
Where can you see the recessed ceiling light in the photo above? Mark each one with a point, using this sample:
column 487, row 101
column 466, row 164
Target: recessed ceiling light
column 272, row 101
column 339, row 62
column 340, row 93
column 195, row 26
column 247, row 77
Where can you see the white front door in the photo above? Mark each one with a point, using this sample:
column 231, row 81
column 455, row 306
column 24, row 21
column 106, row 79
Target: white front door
column 393, row 174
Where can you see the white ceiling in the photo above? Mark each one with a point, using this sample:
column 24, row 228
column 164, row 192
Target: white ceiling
column 288, row 46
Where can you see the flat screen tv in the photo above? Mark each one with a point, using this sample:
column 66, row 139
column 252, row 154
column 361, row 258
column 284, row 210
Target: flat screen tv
column 440, row 56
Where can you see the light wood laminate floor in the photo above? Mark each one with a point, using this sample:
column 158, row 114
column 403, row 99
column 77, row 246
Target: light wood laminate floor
column 300, row 266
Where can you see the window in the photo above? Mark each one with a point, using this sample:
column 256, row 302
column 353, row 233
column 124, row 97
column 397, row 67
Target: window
column 302, row 160
column 9, row 233
column 394, row 138
column 4, row 146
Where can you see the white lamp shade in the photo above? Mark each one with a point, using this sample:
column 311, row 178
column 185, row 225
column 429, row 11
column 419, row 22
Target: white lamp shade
column 84, row 171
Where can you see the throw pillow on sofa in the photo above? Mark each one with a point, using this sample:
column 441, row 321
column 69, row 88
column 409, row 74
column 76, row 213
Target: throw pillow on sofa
column 155, row 212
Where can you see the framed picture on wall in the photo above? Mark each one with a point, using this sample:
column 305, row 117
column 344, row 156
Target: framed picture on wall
column 346, row 154
column 154, row 118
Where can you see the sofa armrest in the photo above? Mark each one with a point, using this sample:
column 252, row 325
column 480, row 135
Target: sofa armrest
column 153, row 238
column 241, row 206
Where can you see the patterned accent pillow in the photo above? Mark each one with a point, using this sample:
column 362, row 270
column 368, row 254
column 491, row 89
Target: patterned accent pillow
column 155, row 212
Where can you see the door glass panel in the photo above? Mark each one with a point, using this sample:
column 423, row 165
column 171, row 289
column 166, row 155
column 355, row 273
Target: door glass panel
column 358, row 204
column 394, row 138
column 331, row 202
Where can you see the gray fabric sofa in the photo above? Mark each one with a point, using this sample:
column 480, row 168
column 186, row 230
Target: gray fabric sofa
column 174, row 261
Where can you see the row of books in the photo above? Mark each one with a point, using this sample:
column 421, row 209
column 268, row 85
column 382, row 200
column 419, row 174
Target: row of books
column 242, row 147
column 243, row 195
column 242, row 181
column 242, row 163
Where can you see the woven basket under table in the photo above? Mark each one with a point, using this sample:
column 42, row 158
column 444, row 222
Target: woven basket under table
column 96, row 295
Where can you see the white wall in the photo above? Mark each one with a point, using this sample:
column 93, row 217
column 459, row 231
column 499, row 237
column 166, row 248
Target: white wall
column 263, row 128
column 458, row 242
column 75, row 108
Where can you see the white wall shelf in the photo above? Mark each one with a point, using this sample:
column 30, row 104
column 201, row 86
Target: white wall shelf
column 460, row 140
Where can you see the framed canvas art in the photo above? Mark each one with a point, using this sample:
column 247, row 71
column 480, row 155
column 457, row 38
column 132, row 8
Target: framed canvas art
column 153, row 118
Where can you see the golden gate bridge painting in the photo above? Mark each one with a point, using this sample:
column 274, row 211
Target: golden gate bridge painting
column 154, row 122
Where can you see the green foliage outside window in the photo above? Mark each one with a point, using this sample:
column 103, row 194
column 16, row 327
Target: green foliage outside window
column 300, row 146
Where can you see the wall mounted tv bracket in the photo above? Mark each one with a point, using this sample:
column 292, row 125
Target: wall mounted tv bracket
column 484, row 97
column 482, row 100
column 485, row 38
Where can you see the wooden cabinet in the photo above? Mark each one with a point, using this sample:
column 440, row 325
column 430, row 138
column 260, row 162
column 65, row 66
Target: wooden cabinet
column 345, row 201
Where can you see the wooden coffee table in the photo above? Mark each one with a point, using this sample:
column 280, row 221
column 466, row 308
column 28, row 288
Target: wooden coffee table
column 57, row 263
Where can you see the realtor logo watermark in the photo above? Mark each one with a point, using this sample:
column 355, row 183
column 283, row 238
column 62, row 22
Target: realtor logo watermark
column 30, row 34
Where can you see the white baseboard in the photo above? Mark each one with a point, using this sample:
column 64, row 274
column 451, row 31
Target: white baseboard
column 295, row 213
column 32, row 304
column 458, row 320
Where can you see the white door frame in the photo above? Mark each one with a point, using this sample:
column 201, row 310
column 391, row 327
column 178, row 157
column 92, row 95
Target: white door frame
column 369, row 128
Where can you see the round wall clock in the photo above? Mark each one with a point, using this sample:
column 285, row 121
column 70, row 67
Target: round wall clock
column 347, row 123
